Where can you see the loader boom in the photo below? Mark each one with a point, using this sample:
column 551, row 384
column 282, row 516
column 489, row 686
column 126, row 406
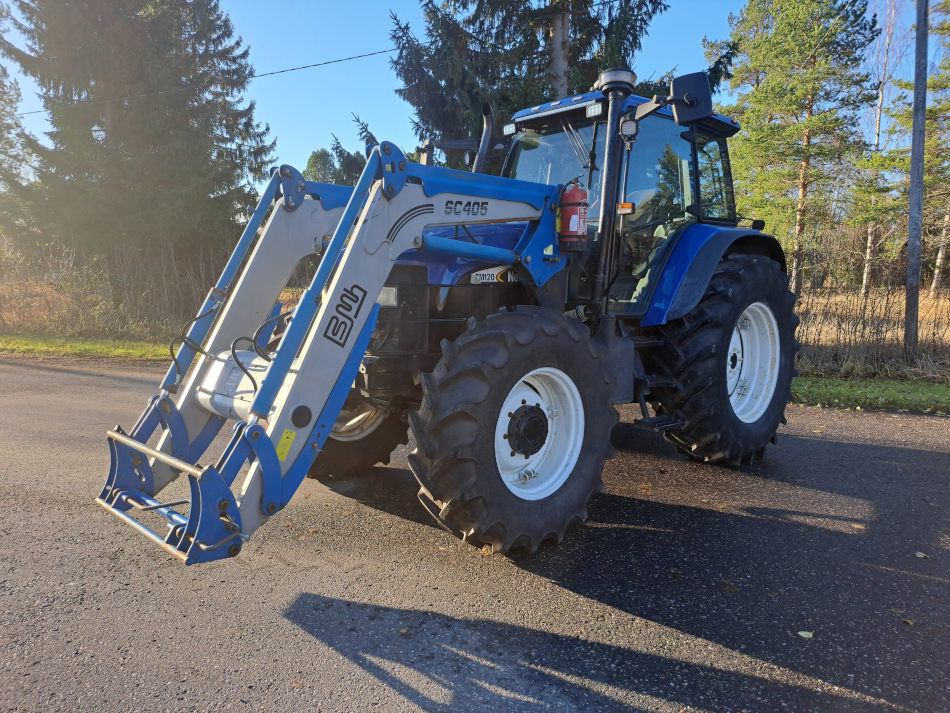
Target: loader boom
column 287, row 418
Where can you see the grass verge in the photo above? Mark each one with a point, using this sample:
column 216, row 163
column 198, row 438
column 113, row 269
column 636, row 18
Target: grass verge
column 866, row 394
column 70, row 348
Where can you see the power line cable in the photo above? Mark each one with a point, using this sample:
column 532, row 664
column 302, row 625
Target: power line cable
column 317, row 64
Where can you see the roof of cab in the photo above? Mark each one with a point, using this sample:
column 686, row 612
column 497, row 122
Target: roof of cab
column 717, row 122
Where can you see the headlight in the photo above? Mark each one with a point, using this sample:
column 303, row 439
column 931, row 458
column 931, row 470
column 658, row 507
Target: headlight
column 509, row 129
column 388, row 297
column 595, row 110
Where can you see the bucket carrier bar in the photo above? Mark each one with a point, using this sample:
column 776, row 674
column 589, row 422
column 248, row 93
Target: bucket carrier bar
column 284, row 417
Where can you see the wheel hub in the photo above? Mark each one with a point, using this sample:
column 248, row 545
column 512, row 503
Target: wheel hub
column 528, row 430
column 539, row 433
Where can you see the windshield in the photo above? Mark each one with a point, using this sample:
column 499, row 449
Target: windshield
column 563, row 149
column 658, row 181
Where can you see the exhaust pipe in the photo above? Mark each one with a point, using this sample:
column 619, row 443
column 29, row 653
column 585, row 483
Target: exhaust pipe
column 480, row 165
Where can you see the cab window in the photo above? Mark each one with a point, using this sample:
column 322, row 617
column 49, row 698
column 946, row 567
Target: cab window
column 715, row 180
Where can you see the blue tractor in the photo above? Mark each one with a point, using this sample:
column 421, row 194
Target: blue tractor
column 507, row 316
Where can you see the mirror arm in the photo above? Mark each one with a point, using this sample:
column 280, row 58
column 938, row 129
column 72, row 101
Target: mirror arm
column 658, row 102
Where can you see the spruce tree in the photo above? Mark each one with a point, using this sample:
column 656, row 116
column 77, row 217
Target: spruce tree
column 153, row 148
column 336, row 164
column 513, row 53
column 12, row 154
column 800, row 83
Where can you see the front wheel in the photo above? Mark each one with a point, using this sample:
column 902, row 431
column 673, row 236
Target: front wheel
column 514, row 429
column 733, row 358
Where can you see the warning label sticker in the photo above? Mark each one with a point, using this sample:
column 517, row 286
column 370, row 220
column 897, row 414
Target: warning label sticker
column 286, row 441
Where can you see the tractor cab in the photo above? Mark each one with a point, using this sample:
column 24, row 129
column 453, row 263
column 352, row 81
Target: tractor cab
column 658, row 192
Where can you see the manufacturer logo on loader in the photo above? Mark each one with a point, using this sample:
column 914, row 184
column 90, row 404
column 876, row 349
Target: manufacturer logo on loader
column 341, row 324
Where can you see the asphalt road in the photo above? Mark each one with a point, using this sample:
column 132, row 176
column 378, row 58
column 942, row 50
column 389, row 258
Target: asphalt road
column 685, row 590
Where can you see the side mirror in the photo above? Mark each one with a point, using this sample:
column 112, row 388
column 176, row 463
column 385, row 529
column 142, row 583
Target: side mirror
column 692, row 98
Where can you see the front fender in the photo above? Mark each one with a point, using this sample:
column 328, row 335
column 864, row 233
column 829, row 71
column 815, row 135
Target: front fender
column 692, row 262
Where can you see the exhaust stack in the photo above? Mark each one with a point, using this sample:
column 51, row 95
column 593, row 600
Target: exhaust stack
column 480, row 165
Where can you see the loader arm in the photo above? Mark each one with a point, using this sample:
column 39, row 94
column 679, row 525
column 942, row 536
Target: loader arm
column 284, row 421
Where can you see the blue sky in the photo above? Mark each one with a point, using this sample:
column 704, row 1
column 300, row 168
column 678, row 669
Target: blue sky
column 304, row 108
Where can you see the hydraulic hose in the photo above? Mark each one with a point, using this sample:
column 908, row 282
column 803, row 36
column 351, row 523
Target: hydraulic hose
column 188, row 341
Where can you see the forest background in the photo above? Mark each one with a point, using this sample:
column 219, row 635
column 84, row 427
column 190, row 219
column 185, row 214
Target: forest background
column 116, row 220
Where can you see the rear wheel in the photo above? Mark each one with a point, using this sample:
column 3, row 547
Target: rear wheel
column 362, row 436
column 733, row 359
column 514, row 429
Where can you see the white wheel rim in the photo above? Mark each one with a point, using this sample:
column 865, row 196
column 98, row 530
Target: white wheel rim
column 539, row 475
column 357, row 423
column 752, row 363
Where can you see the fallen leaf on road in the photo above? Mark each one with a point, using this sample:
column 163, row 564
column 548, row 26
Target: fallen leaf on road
column 923, row 556
column 908, row 622
column 303, row 537
column 312, row 530
column 897, row 611
column 443, row 548
column 486, row 550
column 857, row 526
column 298, row 684
column 404, row 631
column 805, row 634
column 818, row 432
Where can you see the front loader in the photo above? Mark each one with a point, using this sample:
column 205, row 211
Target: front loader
column 500, row 319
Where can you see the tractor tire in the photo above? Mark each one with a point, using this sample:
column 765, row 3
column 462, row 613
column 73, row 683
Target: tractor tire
column 514, row 429
column 361, row 438
column 733, row 358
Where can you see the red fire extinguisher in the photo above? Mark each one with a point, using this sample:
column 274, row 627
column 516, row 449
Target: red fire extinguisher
column 572, row 219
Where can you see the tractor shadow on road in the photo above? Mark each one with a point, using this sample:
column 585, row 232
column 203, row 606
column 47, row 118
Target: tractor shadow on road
column 389, row 490
column 443, row 663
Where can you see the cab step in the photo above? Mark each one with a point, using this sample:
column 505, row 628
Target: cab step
column 655, row 381
column 660, row 423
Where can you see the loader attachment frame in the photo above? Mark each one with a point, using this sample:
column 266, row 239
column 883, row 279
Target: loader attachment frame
column 286, row 419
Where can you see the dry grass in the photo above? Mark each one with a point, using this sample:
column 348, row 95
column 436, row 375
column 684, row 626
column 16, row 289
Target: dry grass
column 845, row 333
column 54, row 294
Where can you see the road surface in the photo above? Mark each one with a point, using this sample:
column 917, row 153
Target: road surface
column 689, row 588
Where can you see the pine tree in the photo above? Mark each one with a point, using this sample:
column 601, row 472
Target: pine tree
column 513, row 53
column 800, row 84
column 152, row 147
